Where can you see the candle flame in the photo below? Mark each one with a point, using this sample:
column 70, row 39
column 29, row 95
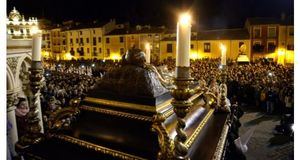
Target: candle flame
column 223, row 48
column 147, row 46
column 185, row 19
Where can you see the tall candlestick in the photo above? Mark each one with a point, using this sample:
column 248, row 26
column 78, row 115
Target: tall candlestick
column 148, row 52
column 36, row 47
column 183, row 43
column 223, row 54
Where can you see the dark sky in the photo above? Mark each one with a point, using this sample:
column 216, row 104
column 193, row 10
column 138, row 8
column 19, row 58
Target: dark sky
column 209, row 14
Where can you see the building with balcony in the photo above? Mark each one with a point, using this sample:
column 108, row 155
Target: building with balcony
column 206, row 44
column 123, row 38
column 271, row 38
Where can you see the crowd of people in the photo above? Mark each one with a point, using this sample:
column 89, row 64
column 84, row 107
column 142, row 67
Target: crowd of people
column 264, row 84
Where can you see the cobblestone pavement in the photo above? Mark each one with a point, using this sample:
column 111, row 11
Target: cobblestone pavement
column 259, row 146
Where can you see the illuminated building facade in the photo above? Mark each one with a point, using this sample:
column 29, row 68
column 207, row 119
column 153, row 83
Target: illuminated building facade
column 271, row 38
column 262, row 37
column 46, row 46
column 206, row 44
column 85, row 41
column 18, row 27
column 123, row 38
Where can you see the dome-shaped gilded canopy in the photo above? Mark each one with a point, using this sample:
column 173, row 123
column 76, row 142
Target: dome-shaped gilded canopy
column 15, row 15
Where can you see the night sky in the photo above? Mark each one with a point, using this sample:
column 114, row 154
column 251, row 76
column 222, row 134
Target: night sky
column 210, row 14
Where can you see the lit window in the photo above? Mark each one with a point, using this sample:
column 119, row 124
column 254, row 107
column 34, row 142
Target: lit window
column 107, row 52
column 271, row 32
column 256, row 32
column 94, row 41
column 169, row 48
column 121, row 39
column 206, row 47
column 192, row 46
column 271, row 47
column 121, row 51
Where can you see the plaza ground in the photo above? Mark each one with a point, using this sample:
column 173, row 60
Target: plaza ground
column 264, row 145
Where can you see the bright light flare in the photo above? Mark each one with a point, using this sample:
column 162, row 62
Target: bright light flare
column 115, row 57
column 185, row 19
column 68, row 56
column 223, row 48
column 280, row 52
column 194, row 56
column 35, row 30
column 147, row 46
column 270, row 74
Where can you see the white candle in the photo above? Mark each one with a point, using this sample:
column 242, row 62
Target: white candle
column 148, row 52
column 183, row 41
column 223, row 54
column 36, row 47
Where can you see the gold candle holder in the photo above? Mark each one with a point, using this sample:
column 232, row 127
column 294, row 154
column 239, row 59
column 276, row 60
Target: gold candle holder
column 33, row 133
column 181, row 104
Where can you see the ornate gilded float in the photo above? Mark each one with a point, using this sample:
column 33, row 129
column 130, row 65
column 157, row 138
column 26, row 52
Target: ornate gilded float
column 129, row 115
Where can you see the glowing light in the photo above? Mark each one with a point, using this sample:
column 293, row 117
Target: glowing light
column 82, row 66
column 68, row 56
column 147, row 46
column 223, row 54
column 115, row 56
column 223, row 48
column 148, row 52
column 280, row 52
column 93, row 65
column 45, row 54
column 281, row 56
column 194, row 56
column 185, row 19
column 270, row 74
column 35, row 30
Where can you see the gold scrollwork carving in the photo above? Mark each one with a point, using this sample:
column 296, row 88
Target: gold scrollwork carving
column 117, row 113
column 192, row 138
column 165, row 142
column 221, row 143
column 140, row 107
column 59, row 119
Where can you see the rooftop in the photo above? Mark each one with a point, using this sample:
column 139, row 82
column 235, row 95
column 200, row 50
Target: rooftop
column 220, row 34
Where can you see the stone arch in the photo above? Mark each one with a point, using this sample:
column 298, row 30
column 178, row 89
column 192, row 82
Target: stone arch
column 23, row 65
column 10, row 81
